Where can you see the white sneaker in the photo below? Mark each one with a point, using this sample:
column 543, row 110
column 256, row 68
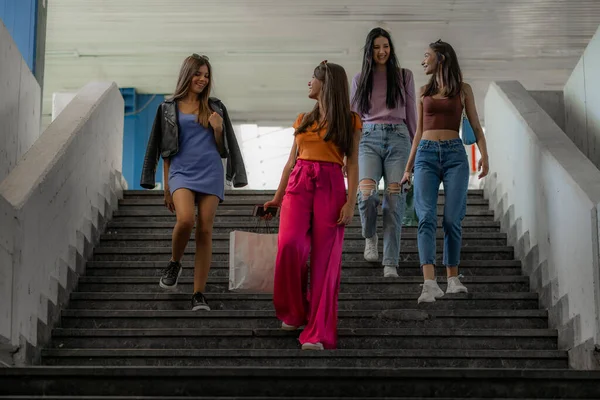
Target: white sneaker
column 455, row 285
column 287, row 327
column 371, row 250
column 430, row 292
column 390, row 272
column 312, row 346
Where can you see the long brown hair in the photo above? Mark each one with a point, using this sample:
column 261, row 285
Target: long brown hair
column 336, row 101
column 189, row 68
column 451, row 75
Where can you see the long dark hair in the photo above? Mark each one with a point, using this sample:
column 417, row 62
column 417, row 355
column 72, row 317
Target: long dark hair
column 362, row 97
column 336, row 101
column 451, row 75
column 189, row 68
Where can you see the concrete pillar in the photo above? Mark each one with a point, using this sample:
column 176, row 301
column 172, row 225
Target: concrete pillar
column 20, row 104
column 25, row 20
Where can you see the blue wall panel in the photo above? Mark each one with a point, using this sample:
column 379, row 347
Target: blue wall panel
column 129, row 152
column 20, row 18
column 138, row 124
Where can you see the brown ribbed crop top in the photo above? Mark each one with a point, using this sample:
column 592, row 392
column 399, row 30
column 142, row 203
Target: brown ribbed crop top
column 442, row 114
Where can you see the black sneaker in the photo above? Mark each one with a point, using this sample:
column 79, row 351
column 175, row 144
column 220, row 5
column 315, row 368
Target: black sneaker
column 170, row 275
column 199, row 302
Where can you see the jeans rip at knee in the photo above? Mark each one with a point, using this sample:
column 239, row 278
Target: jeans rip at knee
column 367, row 190
column 393, row 189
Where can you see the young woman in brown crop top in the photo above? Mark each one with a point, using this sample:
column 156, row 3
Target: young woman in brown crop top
column 438, row 156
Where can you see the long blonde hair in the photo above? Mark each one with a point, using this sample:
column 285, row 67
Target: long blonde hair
column 189, row 68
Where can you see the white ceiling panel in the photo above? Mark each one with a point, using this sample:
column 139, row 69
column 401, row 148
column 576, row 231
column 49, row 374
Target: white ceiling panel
column 263, row 52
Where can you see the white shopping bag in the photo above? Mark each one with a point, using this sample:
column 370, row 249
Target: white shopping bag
column 252, row 261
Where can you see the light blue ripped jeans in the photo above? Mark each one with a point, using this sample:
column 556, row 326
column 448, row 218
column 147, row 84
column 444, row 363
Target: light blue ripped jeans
column 383, row 152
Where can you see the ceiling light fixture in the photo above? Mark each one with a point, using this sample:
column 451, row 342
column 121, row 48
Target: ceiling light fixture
column 63, row 53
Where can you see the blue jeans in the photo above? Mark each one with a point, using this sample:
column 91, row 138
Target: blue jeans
column 383, row 152
column 436, row 162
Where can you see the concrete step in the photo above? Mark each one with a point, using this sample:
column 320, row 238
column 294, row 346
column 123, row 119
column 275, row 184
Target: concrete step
column 221, row 253
column 347, row 301
column 233, row 210
column 291, row 382
column 358, row 358
column 230, row 398
column 246, row 218
column 350, row 241
column 222, row 248
column 132, row 225
column 350, row 237
column 59, row 397
column 244, row 319
column 152, row 256
column 349, row 268
column 253, row 194
column 275, row 338
column 251, row 201
column 358, row 285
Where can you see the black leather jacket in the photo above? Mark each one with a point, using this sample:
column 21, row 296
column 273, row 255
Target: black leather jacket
column 164, row 142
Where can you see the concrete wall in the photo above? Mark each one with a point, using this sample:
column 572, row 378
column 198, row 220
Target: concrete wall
column 546, row 193
column 551, row 101
column 52, row 207
column 6, row 355
column 582, row 102
column 20, row 104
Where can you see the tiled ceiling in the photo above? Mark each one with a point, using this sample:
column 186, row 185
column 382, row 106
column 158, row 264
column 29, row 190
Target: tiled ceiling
column 263, row 52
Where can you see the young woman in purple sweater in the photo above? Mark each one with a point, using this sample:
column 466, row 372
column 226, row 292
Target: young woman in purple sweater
column 383, row 94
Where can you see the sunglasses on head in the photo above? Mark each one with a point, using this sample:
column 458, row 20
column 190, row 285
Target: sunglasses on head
column 198, row 57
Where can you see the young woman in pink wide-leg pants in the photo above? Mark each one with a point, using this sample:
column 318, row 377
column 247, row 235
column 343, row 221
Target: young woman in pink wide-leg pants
column 315, row 209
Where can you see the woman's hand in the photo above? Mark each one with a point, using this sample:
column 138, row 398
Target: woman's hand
column 406, row 178
column 271, row 203
column 483, row 167
column 216, row 121
column 346, row 214
column 169, row 201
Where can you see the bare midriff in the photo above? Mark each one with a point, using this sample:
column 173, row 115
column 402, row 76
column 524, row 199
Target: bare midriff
column 436, row 135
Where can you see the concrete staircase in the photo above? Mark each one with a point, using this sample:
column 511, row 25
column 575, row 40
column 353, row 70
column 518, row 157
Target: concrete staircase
column 492, row 343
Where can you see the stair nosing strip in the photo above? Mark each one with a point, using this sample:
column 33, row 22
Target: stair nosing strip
column 276, row 332
column 423, row 314
column 297, row 353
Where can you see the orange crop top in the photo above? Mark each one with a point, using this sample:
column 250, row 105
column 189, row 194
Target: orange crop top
column 312, row 147
column 442, row 114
